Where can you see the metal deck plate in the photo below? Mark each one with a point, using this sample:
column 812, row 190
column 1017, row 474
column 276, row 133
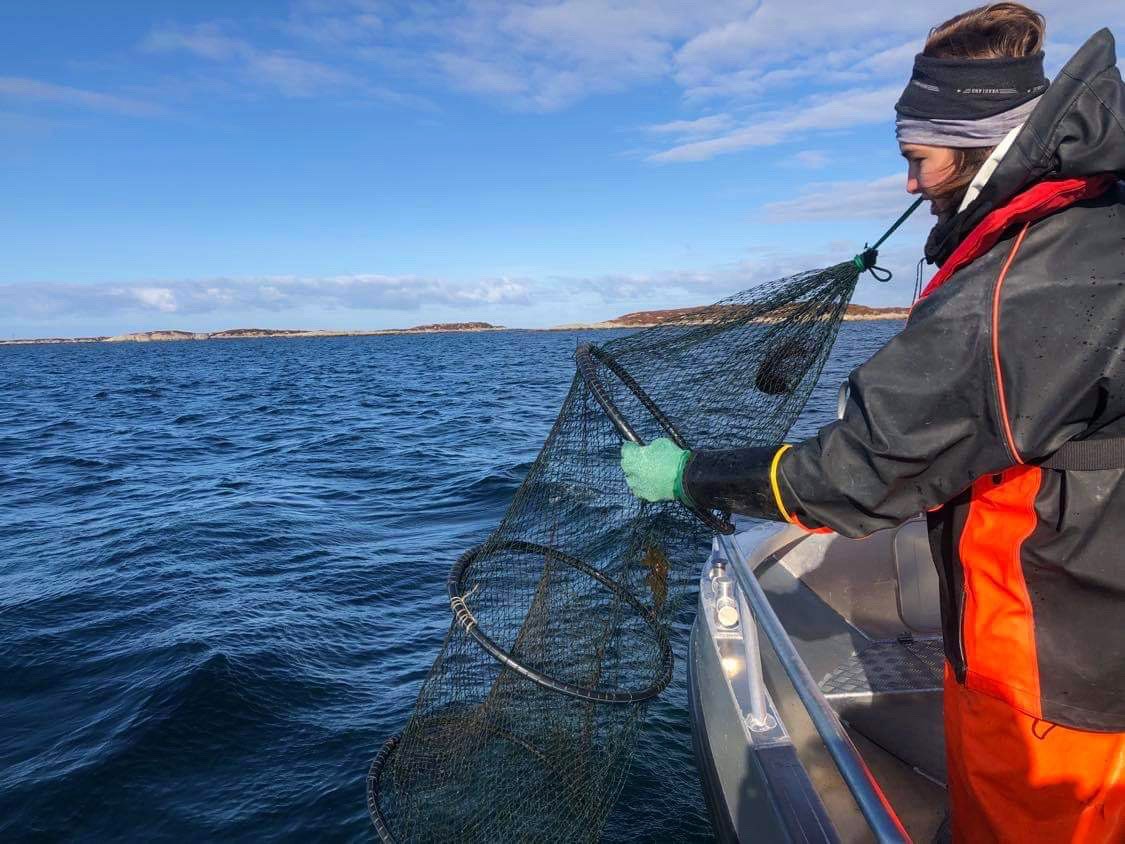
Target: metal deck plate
column 888, row 667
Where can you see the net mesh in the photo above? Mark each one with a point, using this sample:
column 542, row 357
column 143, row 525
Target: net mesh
column 524, row 725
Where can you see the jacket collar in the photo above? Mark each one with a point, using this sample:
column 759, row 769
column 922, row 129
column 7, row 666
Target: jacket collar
column 1035, row 203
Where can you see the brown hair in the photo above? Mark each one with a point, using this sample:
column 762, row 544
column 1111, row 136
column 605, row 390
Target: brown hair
column 998, row 30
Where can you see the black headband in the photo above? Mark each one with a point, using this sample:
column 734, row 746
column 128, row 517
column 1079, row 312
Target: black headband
column 970, row 89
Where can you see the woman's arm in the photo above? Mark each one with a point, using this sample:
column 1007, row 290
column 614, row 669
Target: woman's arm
column 921, row 423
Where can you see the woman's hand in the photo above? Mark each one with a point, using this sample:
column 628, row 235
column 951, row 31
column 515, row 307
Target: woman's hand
column 655, row 472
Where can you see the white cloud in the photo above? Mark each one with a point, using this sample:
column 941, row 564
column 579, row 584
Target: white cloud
column 332, row 23
column 545, row 55
column 704, row 285
column 369, row 292
column 879, row 199
column 700, row 287
column 818, row 40
column 892, row 62
column 482, row 76
column 293, row 70
column 155, row 298
column 204, row 40
column 290, row 75
column 399, row 293
column 693, row 128
column 35, row 90
column 811, row 159
column 732, row 56
column 842, row 110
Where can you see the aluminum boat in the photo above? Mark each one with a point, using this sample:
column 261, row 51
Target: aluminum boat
column 815, row 668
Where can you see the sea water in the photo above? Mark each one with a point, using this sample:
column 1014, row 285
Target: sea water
column 222, row 573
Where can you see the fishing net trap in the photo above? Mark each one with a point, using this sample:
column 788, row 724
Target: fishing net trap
column 523, row 728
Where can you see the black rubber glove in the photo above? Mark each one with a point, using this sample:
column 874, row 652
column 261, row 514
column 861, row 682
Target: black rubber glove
column 735, row 479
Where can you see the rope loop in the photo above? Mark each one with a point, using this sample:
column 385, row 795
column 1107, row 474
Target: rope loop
column 865, row 261
column 881, row 274
column 461, row 612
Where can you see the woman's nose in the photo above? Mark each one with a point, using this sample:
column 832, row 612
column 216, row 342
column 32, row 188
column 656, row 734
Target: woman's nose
column 912, row 185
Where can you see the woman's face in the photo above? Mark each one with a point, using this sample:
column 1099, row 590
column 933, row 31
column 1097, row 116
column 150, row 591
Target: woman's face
column 926, row 168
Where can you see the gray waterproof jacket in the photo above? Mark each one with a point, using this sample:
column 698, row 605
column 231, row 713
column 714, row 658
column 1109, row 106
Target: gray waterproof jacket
column 1020, row 350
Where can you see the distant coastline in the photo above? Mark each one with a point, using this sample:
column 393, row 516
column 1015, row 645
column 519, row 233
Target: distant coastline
column 651, row 319
column 635, row 320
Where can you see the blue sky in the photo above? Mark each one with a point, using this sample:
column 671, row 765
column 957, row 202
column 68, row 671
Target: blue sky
column 365, row 164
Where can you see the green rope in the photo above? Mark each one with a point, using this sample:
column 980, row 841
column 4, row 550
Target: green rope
column 865, row 260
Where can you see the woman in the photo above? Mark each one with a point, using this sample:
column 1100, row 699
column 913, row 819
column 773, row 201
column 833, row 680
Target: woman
column 999, row 410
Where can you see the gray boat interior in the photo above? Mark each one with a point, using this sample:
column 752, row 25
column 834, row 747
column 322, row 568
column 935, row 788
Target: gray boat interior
column 864, row 617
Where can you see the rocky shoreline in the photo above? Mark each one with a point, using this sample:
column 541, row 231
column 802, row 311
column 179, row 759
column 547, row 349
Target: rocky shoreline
column 635, row 320
column 651, row 319
column 256, row 333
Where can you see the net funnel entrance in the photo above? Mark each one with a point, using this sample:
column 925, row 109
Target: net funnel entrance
column 524, row 725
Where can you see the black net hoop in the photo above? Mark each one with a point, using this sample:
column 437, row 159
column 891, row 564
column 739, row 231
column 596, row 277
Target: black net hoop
column 468, row 622
column 585, row 357
column 373, row 775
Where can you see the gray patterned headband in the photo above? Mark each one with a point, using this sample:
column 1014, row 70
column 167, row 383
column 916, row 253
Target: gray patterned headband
column 979, row 132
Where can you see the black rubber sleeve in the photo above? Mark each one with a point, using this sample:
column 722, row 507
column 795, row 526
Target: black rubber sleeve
column 734, row 479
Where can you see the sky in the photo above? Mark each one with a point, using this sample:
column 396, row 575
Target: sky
column 357, row 164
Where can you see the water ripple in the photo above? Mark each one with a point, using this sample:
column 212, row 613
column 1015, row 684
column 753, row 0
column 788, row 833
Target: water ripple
column 222, row 573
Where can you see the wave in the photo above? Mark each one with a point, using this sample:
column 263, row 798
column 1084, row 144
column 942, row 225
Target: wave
column 223, row 574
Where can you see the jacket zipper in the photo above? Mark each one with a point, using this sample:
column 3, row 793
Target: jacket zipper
column 997, row 479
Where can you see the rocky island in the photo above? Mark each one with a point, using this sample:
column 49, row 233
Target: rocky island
column 649, row 319
column 634, row 320
column 257, row 333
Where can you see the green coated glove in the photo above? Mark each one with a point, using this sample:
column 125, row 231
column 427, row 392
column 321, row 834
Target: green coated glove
column 655, row 472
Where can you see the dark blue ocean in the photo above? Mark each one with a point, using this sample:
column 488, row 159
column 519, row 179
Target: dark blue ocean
column 222, row 573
